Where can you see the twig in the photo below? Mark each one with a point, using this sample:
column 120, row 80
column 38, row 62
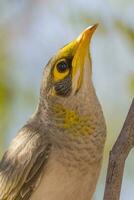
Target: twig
column 118, row 155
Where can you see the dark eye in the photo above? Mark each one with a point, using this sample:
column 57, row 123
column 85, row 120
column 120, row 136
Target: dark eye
column 62, row 66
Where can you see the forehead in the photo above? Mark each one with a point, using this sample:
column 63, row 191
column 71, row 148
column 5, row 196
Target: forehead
column 66, row 51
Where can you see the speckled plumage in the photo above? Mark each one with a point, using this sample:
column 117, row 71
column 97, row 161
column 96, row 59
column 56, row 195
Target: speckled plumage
column 78, row 148
column 57, row 155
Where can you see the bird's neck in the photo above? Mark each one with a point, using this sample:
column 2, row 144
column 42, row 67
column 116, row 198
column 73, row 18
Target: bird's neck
column 75, row 123
column 76, row 114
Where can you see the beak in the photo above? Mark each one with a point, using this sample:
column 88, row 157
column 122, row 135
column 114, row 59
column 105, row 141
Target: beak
column 82, row 51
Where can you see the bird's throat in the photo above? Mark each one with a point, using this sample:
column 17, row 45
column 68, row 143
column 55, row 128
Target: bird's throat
column 71, row 121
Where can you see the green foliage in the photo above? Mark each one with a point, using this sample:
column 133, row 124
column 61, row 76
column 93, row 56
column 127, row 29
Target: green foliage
column 6, row 92
column 127, row 31
column 9, row 91
column 131, row 84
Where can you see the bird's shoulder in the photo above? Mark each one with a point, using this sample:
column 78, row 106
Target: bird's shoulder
column 23, row 163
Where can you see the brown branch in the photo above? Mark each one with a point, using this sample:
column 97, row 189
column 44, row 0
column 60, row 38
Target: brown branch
column 118, row 155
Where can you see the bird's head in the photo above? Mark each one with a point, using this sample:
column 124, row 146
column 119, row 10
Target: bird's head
column 68, row 72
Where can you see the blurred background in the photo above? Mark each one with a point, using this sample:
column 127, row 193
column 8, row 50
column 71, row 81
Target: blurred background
column 31, row 31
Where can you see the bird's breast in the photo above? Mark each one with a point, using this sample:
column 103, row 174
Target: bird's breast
column 60, row 183
column 78, row 137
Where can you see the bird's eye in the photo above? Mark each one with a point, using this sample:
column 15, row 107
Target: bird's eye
column 62, row 66
column 61, row 70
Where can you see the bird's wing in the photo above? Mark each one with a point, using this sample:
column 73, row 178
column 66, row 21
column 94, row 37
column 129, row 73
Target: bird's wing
column 22, row 164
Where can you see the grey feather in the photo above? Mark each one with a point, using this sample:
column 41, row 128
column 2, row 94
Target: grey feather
column 23, row 163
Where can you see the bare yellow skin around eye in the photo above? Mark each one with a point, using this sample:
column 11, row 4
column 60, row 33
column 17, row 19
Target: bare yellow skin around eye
column 59, row 75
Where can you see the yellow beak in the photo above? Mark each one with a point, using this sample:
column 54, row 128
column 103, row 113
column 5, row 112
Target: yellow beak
column 82, row 51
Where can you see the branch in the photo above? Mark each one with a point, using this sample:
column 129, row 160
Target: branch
column 118, row 155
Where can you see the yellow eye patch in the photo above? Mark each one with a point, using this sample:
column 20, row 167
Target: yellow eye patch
column 61, row 70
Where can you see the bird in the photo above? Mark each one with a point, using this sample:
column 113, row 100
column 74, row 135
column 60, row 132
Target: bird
column 58, row 153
